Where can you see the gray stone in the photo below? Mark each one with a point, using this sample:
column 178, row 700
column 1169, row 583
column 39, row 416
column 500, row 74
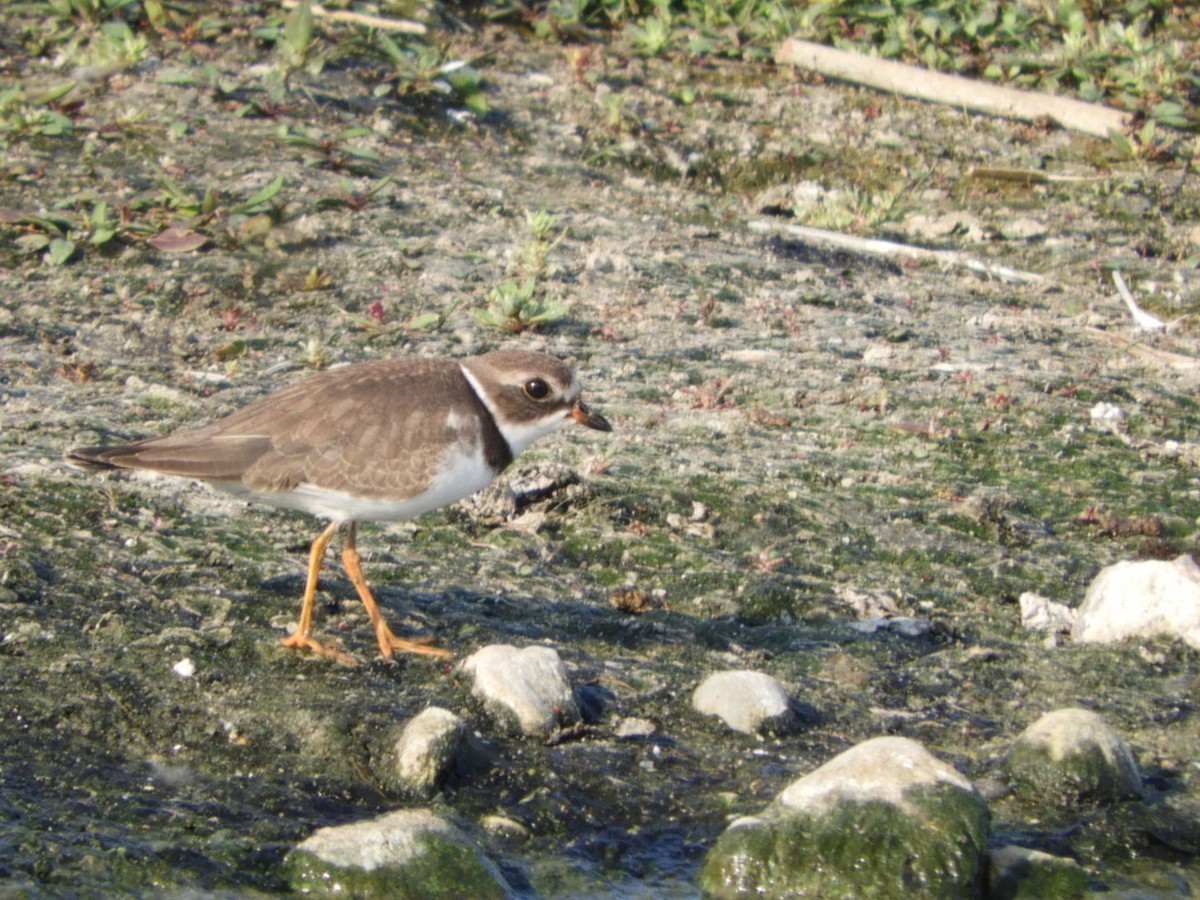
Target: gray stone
column 526, row 687
column 1040, row 613
column 1072, row 754
column 1018, row 873
column 749, row 702
column 428, row 750
column 407, row 855
column 883, row 819
column 1142, row 599
column 1023, row 229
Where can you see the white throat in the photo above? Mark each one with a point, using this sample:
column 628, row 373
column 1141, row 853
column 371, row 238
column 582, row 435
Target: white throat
column 519, row 435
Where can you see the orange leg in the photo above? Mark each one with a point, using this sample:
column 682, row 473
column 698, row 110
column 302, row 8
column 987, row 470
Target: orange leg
column 387, row 640
column 301, row 638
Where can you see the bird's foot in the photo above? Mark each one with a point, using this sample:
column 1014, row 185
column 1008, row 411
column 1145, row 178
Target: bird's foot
column 300, row 641
column 388, row 643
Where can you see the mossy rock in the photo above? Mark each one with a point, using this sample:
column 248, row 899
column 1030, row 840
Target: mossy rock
column 1018, row 873
column 860, row 850
column 855, row 829
column 1071, row 755
column 406, row 855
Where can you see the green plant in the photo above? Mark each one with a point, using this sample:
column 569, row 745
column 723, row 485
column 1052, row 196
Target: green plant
column 313, row 354
column 334, row 152
column 85, row 11
column 543, row 237
column 350, row 197
column 417, row 68
column 295, row 47
column 23, row 116
column 114, row 45
column 176, row 220
column 853, row 209
column 210, row 213
column 376, row 325
column 515, row 307
column 654, row 34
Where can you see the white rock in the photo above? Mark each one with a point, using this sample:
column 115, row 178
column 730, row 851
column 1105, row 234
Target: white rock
column 388, row 840
column 634, row 727
column 376, row 858
column 1142, row 599
column 905, row 626
column 1040, row 613
column 883, row 819
column 1023, row 229
column 1107, row 416
column 745, row 701
column 1074, row 752
column 529, row 685
column 427, row 748
column 879, row 769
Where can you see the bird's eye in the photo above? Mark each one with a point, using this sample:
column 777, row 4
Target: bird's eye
column 536, row 389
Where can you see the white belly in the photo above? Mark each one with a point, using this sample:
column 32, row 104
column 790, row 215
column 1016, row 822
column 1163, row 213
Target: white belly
column 461, row 475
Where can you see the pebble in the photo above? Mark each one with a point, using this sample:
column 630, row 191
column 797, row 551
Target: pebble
column 905, row 626
column 1072, row 754
column 408, row 854
column 527, row 686
column 1040, row 613
column 1023, row 229
column 876, row 820
column 427, row 750
column 1107, row 416
column 1142, row 599
column 749, row 702
column 631, row 727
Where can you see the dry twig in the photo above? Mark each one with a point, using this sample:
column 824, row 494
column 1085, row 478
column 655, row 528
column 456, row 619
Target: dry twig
column 875, row 247
column 913, row 81
column 403, row 26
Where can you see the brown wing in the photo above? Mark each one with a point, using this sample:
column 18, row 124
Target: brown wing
column 366, row 427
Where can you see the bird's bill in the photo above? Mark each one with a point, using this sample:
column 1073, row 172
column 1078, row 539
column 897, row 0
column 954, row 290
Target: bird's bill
column 584, row 416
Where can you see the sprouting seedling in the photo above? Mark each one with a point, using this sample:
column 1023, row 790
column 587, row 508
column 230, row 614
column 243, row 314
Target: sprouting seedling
column 515, row 307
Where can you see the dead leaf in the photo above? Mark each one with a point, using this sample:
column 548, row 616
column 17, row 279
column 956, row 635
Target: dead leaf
column 177, row 240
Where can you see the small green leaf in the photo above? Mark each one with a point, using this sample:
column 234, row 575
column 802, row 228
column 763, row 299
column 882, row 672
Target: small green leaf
column 263, row 196
column 61, row 250
column 55, row 93
column 182, row 79
column 298, row 28
column 32, row 243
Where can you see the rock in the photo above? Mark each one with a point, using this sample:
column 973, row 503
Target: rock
column 1142, row 599
column 1018, row 873
column 1040, row 613
column 407, row 855
column 1072, row 754
column 869, row 604
column 504, row 827
column 962, row 226
column 883, row 819
column 1107, row 417
column 511, row 500
column 633, row 727
column 1023, row 229
column 749, row 702
column 905, row 626
column 432, row 746
column 529, row 687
